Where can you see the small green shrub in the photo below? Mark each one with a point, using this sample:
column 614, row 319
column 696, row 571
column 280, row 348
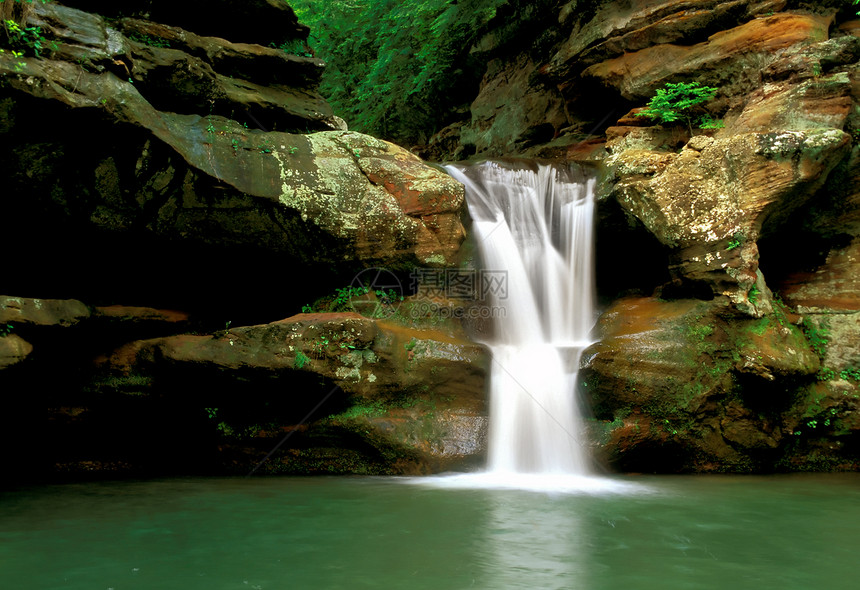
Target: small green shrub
column 681, row 102
column 753, row 294
column 826, row 374
column 147, row 40
column 6, row 329
column 26, row 40
column 294, row 47
column 301, row 360
column 817, row 336
column 851, row 373
column 708, row 122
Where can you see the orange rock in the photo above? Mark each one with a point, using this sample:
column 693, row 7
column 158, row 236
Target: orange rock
column 636, row 75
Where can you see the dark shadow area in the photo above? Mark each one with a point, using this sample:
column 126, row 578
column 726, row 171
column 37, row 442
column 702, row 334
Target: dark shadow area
column 629, row 259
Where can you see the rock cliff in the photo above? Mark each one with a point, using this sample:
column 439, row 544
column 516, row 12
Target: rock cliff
column 726, row 255
column 163, row 157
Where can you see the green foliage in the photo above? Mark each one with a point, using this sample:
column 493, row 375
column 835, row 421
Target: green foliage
column 708, row 122
column 23, row 40
column 379, row 303
column 826, row 374
column 294, row 47
column 368, row 410
column 151, row 41
column 850, row 373
column 733, row 243
column 319, row 346
column 340, row 301
column 6, row 329
column 753, row 294
column 301, row 360
column 817, row 336
column 393, row 65
column 681, row 102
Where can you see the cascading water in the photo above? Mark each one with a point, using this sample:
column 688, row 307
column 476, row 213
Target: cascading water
column 536, row 226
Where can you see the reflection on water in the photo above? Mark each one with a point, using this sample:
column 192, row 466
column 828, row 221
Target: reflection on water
column 755, row 533
column 533, row 545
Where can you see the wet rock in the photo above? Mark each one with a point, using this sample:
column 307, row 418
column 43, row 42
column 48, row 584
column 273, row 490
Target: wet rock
column 684, row 386
column 511, row 112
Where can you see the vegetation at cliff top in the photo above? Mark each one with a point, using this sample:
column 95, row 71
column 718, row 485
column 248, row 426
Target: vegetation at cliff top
column 390, row 64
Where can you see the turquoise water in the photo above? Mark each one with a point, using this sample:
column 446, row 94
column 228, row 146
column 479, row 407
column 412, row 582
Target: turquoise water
column 699, row 532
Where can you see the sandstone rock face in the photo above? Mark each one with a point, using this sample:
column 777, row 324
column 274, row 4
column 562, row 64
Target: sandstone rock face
column 353, row 394
column 402, row 400
column 599, row 59
column 685, row 386
column 710, row 202
column 171, row 166
column 184, row 171
column 13, row 350
column 41, row 312
column 251, row 21
column 746, row 359
column 637, row 74
column 512, row 110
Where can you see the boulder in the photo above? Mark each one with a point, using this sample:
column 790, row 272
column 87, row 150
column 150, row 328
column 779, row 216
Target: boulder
column 711, row 202
column 42, row 312
column 337, row 199
column 685, row 386
column 413, row 396
column 13, row 350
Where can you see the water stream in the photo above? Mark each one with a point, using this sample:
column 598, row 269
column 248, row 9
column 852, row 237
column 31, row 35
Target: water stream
column 535, row 226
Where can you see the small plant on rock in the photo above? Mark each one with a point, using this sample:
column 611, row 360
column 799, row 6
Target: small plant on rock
column 681, row 102
column 26, row 39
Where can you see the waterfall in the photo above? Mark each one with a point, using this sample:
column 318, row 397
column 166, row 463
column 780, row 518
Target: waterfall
column 534, row 226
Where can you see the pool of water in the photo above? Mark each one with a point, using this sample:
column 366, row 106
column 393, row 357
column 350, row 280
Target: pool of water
column 713, row 532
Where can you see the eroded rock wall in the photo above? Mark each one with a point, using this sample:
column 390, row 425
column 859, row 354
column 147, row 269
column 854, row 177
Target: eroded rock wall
column 170, row 170
column 727, row 255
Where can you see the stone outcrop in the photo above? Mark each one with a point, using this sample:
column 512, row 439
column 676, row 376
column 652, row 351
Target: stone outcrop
column 13, row 350
column 743, row 358
column 178, row 145
column 551, row 92
column 710, row 202
column 352, row 394
column 171, row 170
column 718, row 61
column 686, row 385
column 380, row 389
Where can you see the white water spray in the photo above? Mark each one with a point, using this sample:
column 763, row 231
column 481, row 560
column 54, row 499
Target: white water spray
column 537, row 226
